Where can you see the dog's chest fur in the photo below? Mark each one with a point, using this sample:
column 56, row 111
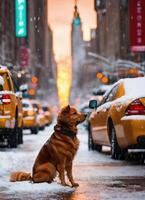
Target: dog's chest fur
column 57, row 148
column 63, row 146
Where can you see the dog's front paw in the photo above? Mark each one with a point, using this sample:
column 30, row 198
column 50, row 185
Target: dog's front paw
column 75, row 184
column 65, row 184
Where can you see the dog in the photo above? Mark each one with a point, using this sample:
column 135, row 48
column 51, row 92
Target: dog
column 57, row 154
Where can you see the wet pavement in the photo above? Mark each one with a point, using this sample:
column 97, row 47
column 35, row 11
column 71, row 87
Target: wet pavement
column 99, row 177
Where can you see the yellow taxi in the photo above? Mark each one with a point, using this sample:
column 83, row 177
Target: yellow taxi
column 11, row 114
column 29, row 116
column 40, row 113
column 119, row 120
column 48, row 114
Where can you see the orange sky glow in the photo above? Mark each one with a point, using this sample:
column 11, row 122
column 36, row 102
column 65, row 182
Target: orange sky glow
column 60, row 15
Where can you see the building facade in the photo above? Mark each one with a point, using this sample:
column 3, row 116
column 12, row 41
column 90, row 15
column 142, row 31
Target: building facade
column 7, row 39
column 42, row 62
column 113, row 28
column 33, row 54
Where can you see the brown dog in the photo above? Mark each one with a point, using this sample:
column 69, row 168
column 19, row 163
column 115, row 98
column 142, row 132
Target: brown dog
column 57, row 154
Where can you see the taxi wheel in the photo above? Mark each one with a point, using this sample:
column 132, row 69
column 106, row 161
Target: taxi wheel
column 91, row 145
column 34, row 130
column 115, row 149
column 98, row 147
column 13, row 136
column 12, row 139
column 20, row 135
column 41, row 128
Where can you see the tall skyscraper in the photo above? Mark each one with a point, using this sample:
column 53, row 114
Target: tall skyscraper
column 77, row 53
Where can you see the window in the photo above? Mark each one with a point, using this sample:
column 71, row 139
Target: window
column 111, row 96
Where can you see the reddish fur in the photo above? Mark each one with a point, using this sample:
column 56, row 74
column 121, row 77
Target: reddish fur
column 20, row 176
column 57, row 154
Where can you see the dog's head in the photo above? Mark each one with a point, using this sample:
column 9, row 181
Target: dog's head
column 70, row 116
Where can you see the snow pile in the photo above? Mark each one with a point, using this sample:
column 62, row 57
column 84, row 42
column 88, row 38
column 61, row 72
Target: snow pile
column 22, row 159
column 39, row 188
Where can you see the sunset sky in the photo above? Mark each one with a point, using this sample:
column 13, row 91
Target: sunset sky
column 60, row 15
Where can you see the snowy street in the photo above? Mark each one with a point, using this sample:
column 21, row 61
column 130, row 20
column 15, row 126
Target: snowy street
column 99, row 177
column 65, row 64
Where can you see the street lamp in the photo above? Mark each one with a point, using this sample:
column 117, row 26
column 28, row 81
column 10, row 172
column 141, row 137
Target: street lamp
column 99, row 57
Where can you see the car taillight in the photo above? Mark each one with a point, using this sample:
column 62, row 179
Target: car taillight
column 31, row 113
column 6, row 99
column 135, row 108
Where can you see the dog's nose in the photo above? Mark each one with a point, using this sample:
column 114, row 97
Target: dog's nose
column 86, row 115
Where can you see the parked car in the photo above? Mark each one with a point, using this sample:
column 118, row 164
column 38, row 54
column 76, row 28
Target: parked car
column 119, row 120
column 40, row 113
column 11, row 114
column 29, row 117
column 48, row 114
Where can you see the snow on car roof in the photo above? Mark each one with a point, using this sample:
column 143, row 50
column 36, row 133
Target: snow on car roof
column 1, row 80
column 27, row 101
column 134, row 86
column 134, row 89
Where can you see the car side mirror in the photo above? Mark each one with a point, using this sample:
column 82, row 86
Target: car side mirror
column 93, row 104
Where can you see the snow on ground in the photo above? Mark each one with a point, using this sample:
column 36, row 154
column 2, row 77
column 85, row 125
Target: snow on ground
column 100, row 177
column 22, row 159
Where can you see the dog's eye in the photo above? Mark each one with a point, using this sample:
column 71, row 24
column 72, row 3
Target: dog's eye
column 74, row 113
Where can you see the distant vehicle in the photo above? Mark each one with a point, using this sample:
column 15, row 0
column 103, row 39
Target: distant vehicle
column 11, row 114
column 97, row 95
column 100, row 91
column 40, row 113
column 126, row 69
column 119, row 120
column 48, row 114
column 29, row 117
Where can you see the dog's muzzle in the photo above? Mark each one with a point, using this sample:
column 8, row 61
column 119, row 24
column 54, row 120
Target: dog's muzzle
column 85, row 115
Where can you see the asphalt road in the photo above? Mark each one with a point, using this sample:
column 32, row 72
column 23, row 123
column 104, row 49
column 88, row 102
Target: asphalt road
column 99, row 177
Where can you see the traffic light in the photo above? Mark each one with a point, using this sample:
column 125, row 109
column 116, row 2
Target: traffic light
column 104, row 80
column 32, row 91
column 34, row 80
column 103, row 77
column 99, row 75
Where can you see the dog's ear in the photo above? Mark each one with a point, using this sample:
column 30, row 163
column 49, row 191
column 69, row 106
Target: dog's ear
column 66, row 109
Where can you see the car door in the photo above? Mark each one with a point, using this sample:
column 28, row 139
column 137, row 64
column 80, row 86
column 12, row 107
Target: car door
column 100, row 134
column 18, row 95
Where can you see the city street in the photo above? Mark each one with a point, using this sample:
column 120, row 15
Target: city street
column 66, row 65
column 99, row 177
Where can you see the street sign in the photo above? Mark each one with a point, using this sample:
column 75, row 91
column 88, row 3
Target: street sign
column 20, row 18
column 137, row 25
column 24, row 57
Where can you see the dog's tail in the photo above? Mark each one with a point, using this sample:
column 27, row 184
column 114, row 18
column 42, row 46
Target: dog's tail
column 20, row 176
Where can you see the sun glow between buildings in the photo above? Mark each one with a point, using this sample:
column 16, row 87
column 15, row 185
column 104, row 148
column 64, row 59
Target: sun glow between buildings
column 64, row 76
